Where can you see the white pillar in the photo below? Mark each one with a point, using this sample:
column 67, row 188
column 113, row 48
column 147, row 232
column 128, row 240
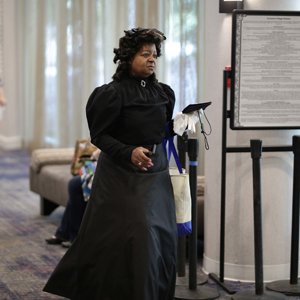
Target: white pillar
column 276, row 172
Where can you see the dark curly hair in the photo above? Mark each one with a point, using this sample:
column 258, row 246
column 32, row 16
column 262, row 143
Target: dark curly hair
column 130, row 44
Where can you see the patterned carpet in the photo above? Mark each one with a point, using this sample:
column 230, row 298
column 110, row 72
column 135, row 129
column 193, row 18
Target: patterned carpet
column 26, row 261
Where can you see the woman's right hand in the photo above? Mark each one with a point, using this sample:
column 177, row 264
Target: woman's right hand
column 140, row 158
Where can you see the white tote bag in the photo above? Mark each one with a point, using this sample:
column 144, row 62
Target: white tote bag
column 182, row 196
column 182, row 193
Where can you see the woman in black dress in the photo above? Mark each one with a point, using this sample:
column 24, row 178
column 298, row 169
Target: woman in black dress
column 126, row 247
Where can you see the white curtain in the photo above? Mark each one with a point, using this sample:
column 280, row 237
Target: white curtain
column 66, row 50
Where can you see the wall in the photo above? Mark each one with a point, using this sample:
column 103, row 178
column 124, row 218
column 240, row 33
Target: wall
column 277, row 170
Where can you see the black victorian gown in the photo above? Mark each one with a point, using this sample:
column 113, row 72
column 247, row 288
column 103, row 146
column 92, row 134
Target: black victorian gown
column 126, row 246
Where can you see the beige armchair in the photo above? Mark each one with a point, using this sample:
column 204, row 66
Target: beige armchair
column 49, row 174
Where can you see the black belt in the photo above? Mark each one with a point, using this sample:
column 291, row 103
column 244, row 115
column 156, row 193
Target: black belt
column 152, row 148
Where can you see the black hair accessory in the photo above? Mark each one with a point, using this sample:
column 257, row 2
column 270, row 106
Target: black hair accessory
column 145, row 31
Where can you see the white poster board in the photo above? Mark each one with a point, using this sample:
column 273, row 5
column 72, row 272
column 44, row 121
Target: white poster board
column 265, row 89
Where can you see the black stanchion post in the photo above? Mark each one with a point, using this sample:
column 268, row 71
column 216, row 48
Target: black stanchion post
column 182, row 146
column 193, row 291
column 292, row 286
column 193, row 163
column 295, row 214
column 256, row 150
column 181, row 256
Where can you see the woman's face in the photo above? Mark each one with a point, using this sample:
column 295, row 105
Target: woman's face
column 144, row 62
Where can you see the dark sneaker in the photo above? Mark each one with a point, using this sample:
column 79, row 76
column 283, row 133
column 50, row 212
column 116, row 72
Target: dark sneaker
column 54, row 240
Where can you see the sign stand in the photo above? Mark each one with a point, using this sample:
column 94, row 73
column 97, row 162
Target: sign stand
column 225, row 149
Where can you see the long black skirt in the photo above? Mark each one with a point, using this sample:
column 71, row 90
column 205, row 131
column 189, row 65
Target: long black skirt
column 126, row 246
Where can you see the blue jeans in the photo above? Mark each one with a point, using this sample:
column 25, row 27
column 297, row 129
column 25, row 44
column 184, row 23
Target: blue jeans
column 74, row 211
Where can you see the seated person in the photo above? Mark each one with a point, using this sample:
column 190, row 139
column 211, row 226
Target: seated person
column 73, row 214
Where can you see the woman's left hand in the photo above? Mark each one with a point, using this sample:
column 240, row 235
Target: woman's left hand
column 140, row 158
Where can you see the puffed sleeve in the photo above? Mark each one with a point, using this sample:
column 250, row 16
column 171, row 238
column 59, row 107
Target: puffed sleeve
column 171, row 97
column 102, row 110
column 170, row 107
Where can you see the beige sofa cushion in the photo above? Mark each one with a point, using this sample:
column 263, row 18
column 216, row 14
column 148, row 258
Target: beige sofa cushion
column 51, row 182
column 43, row 157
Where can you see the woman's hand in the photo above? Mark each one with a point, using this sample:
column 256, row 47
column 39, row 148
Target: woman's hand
column 140, row 158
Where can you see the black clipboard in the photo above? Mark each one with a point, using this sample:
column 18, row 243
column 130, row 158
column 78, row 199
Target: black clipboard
column 194, row 107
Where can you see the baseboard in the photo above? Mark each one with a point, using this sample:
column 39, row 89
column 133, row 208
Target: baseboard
column 10, row 143
column 246, row 272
